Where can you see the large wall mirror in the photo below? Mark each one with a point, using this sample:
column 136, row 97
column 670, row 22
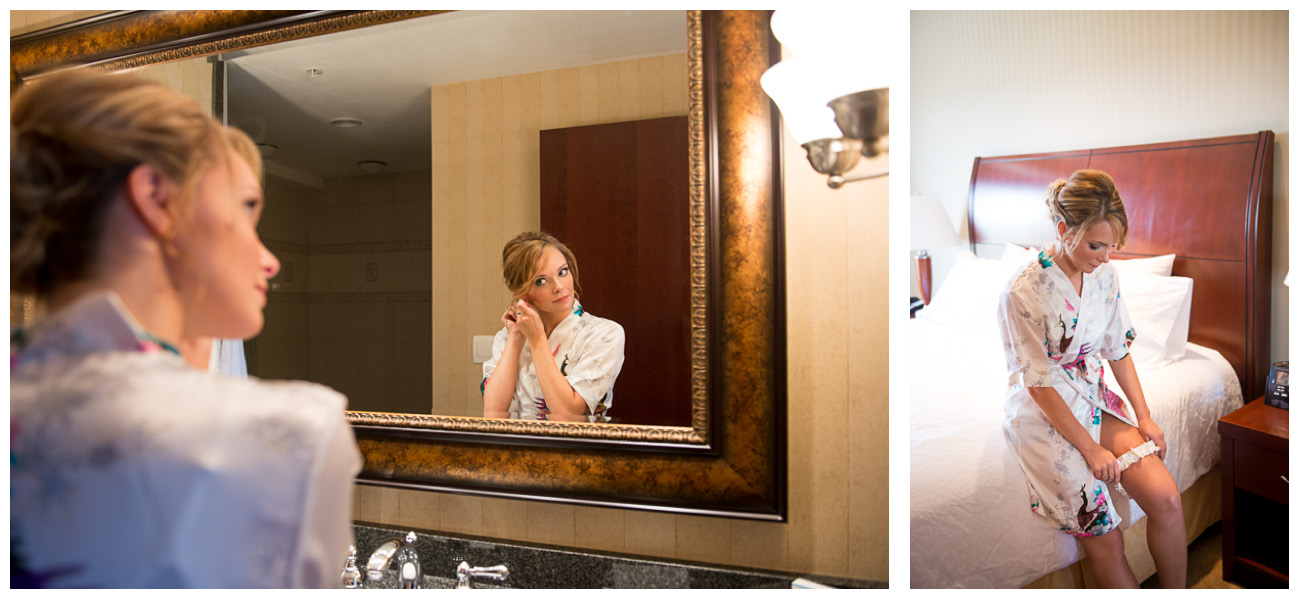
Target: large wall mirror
column 394, row 228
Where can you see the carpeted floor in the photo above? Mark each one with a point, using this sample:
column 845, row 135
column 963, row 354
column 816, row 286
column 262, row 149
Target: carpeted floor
column 1204, row 563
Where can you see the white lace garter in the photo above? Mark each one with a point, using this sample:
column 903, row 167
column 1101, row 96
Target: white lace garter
column 1132, row 456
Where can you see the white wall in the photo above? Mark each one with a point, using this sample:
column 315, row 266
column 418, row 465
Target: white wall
column 1008, row 82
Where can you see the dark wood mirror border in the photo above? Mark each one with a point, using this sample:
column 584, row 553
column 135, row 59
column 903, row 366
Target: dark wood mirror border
column 731, row 462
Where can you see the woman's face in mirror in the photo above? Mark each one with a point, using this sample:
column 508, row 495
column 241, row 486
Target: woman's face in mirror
column 226, row 266
column 552, row 286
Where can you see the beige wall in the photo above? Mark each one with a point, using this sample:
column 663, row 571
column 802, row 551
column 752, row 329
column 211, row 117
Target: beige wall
column 486, row 187
column 27, row 21
column 836, row 244
column 994, row 83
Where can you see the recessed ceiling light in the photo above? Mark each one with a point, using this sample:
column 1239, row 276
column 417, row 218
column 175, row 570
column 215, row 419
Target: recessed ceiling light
column 371, row 167
column 346, row 122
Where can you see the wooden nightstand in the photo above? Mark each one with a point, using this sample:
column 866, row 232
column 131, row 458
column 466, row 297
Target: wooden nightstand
column 1254, row 444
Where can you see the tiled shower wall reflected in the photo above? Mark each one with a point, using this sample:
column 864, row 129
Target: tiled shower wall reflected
column 351, row 306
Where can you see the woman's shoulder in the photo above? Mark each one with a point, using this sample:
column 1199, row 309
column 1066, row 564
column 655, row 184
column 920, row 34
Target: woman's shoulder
column 162, row 384
column 183, row 414
column 595, row 324
column 1024, row 280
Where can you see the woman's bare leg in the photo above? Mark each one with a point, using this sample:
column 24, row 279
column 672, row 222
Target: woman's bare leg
column 1109, row 567
column 1151, row 485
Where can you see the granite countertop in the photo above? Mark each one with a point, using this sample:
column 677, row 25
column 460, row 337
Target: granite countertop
column 538, row 566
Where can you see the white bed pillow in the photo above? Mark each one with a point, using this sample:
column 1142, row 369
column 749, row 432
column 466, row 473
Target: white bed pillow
column 967, row 299
column 1162, row 266
column 1159, row 308
column 1018, row 255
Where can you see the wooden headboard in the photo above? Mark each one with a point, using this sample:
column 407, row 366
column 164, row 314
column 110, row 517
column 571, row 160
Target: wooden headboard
column 1208, row 201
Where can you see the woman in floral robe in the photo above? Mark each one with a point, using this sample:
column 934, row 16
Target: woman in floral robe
column 134, row 223
column 1059, row 319
column 583, row 353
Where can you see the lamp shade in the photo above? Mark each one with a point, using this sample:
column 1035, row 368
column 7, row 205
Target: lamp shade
column 799, row 90
column 930, row 225
column 833, row 35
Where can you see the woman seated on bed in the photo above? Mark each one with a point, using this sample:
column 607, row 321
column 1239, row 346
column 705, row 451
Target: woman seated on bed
column 545, row 319
column 1059, row 318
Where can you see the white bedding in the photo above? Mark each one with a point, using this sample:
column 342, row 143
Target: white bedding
column 971, row 526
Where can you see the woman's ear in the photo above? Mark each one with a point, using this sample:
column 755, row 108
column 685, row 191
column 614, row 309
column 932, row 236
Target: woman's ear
column 152, row 196
column 1060, row 229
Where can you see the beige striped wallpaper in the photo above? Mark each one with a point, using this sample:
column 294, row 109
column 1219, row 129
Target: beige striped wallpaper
column 1011, row 82
column 486, row 187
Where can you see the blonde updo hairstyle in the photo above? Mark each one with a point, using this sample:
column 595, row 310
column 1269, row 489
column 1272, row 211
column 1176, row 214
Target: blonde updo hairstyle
column 1087, row 198
column 74, row 139
column 519, row 261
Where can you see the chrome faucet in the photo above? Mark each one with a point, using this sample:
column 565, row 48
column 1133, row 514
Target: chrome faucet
column 351, row 574
column 464, row 572
column 407, row 561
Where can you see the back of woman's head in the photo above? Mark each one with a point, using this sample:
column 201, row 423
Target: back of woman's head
column 521, row 254
column 1088, row 197
column 74, row 138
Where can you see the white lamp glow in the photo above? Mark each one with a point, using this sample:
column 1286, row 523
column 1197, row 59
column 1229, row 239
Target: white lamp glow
column 800, row 92
column 828, row 35
column 930, row 225
column 836, row 110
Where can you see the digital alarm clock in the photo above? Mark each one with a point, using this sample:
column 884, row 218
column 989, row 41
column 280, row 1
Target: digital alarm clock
column 1275, row 392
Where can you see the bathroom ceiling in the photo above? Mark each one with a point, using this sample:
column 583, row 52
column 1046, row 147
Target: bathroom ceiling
column 382, row 75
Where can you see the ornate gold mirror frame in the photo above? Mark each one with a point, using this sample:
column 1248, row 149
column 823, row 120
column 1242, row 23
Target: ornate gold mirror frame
column 731, row 461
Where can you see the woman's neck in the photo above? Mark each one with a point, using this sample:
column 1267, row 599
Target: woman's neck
column 1067, row 266
column 158, row 311
column 552, row 320
column 130, row 263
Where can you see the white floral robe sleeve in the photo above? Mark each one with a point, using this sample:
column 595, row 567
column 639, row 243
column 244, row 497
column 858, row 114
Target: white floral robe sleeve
column 589, row 352
column 1053, row 337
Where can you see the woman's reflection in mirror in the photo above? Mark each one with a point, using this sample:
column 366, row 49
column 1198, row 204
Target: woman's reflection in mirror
column 582, row 353
column 134, row 219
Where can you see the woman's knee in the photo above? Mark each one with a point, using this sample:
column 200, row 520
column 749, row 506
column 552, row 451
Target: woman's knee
column 1167, row 501
column 1162, row 500
column 1106, row 548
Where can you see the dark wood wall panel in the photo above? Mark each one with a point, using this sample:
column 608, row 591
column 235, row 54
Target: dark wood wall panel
column 1002, row 205
column 1174, row 198
column 1218, row 308
column 616, row 194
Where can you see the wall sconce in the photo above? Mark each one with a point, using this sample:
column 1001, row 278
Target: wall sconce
column 837, row 115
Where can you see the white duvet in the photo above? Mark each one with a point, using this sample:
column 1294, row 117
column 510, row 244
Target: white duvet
column 971, row 526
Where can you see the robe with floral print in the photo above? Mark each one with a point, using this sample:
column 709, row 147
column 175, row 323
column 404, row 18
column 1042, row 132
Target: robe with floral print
column 1055, row 337
column 589, row 352
column 131, row 469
